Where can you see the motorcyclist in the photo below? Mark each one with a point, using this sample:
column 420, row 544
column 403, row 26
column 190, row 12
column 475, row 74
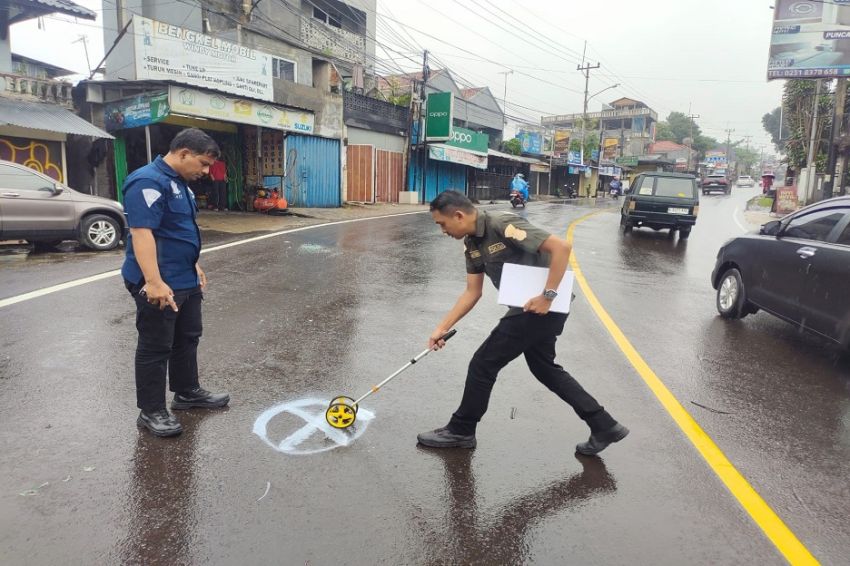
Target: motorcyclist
column 520, row 185
column 615, row 186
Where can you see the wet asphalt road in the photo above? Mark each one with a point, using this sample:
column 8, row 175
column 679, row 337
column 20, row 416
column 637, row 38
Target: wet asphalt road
column 332, row 310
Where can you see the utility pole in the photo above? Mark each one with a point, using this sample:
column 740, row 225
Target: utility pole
column 423, row 149
column 505, row 97
column 728, row 148
column 808, row 190
column 834, row 184
column 691, row 117
column 585, row 68
column 747, row 146
column 85, row 40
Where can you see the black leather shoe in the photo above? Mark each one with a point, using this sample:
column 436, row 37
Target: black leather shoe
column 599, row 441
column 160, row 422
column 200, row 398
column 444, row 438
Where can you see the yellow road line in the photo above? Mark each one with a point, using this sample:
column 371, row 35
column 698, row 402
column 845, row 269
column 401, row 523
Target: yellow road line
column 779, row 534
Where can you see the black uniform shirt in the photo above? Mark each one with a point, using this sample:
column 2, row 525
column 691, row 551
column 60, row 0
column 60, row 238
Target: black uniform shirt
column 500, row 238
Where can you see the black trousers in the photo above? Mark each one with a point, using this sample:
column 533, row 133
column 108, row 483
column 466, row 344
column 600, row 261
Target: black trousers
column 534, row 336
column 218, row 194
column 168, row 345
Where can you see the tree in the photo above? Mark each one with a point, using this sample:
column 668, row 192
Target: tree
column 798, row 102
column 771, row 123
column 746, row 159
column 663, row 132
column 514, row 146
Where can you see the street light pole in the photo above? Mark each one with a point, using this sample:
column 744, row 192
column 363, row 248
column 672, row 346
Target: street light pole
column 505, row 97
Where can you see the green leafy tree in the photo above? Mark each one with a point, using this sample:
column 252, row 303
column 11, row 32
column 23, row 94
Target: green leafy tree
column 771, row 123
column 514, row 146
column 798, row 101
column 663, row 132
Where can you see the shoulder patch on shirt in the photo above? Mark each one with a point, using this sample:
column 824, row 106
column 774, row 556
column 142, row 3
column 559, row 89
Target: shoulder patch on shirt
column 513, row 232
column 151, row 195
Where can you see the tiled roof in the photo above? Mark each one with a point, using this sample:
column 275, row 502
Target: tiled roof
column 62, row 6
column 665, row 146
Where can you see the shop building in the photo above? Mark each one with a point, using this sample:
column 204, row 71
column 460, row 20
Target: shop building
column 264, row 80
column 39, row 126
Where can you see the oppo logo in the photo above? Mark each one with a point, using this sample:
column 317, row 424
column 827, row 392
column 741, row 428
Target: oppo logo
column 460, row 137
column 438, row 114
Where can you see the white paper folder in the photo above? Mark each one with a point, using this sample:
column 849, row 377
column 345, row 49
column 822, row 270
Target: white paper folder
column 521, row 282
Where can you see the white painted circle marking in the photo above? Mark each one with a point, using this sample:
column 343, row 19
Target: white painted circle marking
column 315, row 423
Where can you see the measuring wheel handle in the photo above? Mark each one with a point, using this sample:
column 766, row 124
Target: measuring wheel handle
column 445, row 337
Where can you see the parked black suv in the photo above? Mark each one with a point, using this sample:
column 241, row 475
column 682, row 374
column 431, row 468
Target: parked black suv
column 661, row 200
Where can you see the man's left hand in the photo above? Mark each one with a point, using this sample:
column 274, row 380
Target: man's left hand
column 538, row 305
column 201, row 276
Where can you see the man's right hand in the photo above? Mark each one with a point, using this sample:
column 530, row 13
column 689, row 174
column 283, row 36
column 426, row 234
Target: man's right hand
column 159, row 294
column 434, row 341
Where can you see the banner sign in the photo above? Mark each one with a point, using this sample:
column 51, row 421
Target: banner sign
column 562, row 142
column 716, row 157
column 574, row 158
column 809, row 39
column 438, row 116
column 138, row 111
column 454, row 155
column 219, row 107
column 172, row 53
column 469, row 140
column 609, row 148
column 531, row 142
column 786, row 200
column 627, row 161
column 610, row 171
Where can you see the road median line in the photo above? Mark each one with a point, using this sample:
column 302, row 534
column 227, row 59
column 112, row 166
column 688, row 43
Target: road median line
column 761, row 513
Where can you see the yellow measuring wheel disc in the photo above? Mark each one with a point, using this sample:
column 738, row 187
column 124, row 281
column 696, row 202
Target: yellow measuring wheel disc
column 340, row 415
column 343, row 400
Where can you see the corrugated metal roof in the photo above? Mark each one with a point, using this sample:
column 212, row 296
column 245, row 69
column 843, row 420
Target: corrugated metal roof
column 518, row 158
column 50, row 117
column 61, row 6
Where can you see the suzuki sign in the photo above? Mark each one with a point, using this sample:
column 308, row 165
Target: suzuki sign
column 439, row 111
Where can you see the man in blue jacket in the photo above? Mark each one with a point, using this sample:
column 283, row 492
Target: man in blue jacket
column 162, row 273
column 520, row 184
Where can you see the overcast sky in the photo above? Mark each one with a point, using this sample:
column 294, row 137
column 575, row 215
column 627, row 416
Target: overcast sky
column 669, row 54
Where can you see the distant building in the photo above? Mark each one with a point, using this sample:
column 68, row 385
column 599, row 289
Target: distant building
column 676, row 153
column 627, row 125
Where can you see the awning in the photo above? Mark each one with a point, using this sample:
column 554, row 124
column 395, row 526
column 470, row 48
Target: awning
column 50, row 117
column 440, row 152
column 519, row 158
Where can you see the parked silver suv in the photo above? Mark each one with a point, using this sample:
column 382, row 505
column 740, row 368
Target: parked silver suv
column 36, row 208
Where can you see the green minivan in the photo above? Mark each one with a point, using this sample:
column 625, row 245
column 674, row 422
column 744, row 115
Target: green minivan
column 661, row 200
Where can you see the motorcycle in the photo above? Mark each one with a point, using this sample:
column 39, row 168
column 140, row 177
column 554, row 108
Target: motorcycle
column 570, row 191
column 517, row 199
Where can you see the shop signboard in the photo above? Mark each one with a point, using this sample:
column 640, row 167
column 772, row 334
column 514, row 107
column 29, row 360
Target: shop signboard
column 786, row 200
column 562, row 142
column 453, row 155
column 609, row 148
column 439, row 113
column 574, row 158
column 469, row 140
column 168, row 52
column 716, row 157
column 531, row 142
column 137, row 111
column 228, row 109
column 809, row 39
column 631, row 161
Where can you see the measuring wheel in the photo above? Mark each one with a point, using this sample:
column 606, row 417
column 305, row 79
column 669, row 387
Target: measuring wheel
column 342, row 412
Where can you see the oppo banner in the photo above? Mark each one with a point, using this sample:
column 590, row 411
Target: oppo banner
column 469, row 140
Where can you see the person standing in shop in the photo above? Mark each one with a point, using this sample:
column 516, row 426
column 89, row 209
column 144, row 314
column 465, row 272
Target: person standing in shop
column 162, row 274
column 218, row 174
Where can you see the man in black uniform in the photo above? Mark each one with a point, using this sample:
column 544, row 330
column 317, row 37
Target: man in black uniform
column 491, row 240
column 162, row 273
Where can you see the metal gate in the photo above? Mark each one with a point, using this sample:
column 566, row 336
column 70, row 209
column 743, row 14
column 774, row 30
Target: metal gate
column 389, row 175
column 313, row 177
column 360, row 173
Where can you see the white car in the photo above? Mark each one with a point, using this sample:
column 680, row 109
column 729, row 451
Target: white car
column 745, row 181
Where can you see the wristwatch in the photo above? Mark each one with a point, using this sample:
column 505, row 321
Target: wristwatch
column 550, row 294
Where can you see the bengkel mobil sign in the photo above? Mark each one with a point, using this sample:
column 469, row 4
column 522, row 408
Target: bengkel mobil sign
column 174, row 53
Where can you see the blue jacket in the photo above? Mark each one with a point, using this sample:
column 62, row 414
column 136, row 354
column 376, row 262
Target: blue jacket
column 156, row 197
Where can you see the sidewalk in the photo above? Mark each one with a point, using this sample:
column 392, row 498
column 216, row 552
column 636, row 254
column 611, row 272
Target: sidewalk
column 251, row 222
